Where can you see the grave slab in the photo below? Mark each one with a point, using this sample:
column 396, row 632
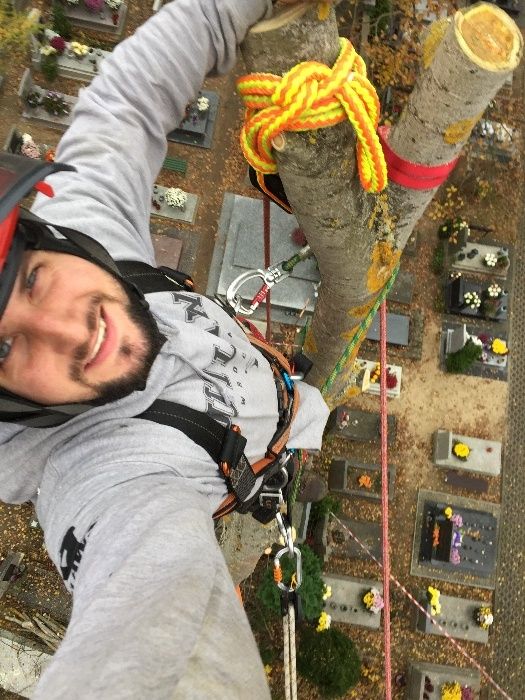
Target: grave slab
column 69, row 66
column 465, row 481
column 403, row 288
column 360, row 426
column 438, row 675
column 474, row 263
column 98, row 21
column 484, row 457
column 480, row 535
column 186, row 214
column 343, row 478
column 162, row 238
column 343, row 545
column 397, row 329
column 200, row 132
column 346, row 602
column 239, row 247
column 455, row 291
column 457, row 617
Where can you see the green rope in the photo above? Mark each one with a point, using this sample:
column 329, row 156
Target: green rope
column 363, row 327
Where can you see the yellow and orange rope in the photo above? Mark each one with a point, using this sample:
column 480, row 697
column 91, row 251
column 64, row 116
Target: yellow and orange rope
column 310, row 96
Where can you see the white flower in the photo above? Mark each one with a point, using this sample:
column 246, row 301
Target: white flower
column 476, row 340
column 113, row 4
column 175, row 197
column 27, row 138
column 473, row 300
column 78, row 48
column 490, row 259
column 47, row 50
column 494, row 291
column 203, row 104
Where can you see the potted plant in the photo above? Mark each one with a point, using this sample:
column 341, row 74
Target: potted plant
column 460, row 450
column 176, row 198
column 484, row 617
column 472, row 300
column 373, row 601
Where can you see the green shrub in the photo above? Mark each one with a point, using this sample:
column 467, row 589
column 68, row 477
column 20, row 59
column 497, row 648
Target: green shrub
column 329, row 659
column 311, row 590
column 461, row 360
column 61, row 24
column 328, row 504
column 49, row 67
column 438, row 259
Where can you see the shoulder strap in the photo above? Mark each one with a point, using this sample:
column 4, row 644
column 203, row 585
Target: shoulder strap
column 150, row 279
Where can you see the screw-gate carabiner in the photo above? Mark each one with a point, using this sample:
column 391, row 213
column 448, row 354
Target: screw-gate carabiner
column 270, row 277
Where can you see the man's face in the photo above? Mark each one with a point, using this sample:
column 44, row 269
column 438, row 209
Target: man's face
column 70, row 333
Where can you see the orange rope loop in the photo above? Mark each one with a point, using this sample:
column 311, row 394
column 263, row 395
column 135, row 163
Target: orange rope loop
column 310, row 96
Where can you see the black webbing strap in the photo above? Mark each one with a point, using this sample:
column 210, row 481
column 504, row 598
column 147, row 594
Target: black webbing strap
column 152, row 279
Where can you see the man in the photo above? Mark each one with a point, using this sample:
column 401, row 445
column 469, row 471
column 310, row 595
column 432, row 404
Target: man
column 125, row 503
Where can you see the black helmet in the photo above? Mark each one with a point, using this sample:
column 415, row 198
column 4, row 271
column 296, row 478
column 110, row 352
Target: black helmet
column 20, row 230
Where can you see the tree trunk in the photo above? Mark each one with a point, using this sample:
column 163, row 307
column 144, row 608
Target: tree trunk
column 357, row 237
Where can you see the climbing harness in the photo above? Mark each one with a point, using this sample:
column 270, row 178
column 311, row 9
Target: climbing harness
column 271, row 276
column 310, row 96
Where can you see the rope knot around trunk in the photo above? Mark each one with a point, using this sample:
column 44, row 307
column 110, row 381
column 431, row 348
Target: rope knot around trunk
column 310, row 96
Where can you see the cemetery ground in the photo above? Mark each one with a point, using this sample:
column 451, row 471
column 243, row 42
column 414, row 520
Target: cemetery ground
column 429, row 398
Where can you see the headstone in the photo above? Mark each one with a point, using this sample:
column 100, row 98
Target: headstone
column 484, row 456
column 343, row 545
column 346, row 602
column 457, row 617
column 300, row 520
column 438, row 675
column 197, row 128
column 397, row 329
column 456, row 339
column 403, row 288
column 360, row 426
column 186, row 214
column 343, row 479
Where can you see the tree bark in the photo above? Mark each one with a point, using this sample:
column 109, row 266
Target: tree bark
column 357, row 237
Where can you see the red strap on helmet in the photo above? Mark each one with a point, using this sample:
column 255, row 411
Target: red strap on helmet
column 7, row 231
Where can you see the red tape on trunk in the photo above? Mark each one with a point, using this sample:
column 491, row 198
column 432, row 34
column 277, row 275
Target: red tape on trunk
column 412, row 175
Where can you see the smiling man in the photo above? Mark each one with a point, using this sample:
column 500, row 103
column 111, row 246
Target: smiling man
column 94, row 353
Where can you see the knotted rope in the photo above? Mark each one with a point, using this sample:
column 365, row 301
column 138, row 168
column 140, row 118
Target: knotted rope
column 310, row 96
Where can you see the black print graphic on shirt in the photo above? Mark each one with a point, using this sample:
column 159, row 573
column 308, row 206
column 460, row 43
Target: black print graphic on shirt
column 71, row 552
column 220, row 403
column 194, row 309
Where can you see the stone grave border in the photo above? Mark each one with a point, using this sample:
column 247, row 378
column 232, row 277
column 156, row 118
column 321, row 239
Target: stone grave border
column 480, row 268
column 166, row 212
column 458, row 631
column 477, row 369
column 456, row 464
column 39, row 114
column 80, row 17
column 177, row 136
column 73, row 68
column 414, row 349
column 351, row 599
column 362, row 492
column 474, row 284
column 361, row 526
column 439, row 675
column 426, row 570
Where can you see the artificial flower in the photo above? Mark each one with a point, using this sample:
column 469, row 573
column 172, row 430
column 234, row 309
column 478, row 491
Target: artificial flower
column 499, row 347
column 448, row 512
column 175, row 197
column 327, row 592
column 324, row 622
column 461, row 450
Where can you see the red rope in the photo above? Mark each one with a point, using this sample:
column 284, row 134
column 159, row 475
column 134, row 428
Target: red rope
column 266, row 230
column 384, row 499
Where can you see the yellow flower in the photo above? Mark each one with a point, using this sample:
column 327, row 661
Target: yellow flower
column 327, row 592
column 268, row 670
column 323, row 622
column 448, row 514
column 461, row 450
column 368, row 599
column 451, row 691
column 499, row 347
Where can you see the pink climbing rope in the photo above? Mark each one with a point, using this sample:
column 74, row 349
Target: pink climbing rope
column 384, row 498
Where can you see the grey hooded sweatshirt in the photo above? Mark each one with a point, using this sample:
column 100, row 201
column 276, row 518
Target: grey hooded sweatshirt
column 126, row 504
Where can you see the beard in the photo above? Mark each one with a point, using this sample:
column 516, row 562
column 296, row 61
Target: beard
column 135, row 379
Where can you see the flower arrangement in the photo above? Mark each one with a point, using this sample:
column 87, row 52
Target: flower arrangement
column 373, row 601
column 29, row 147
column 47, row 50
column 457, row 520
column 175, row 197
column 58, row 43
column 391, row 378
column 455, row 556
column 484, row 617
column 114, row 4
column 451, row 691
column 55, row 104
column 494, row 291
column 203, row 104
column 94, row 5
column 461, row 451
column 499, row 347
column 365, row 481
column 452, row 227
column 78, row 49
column 433, row 600
column 324, row 622
column 472, row 300
column 490, row 259
column 34, row 98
